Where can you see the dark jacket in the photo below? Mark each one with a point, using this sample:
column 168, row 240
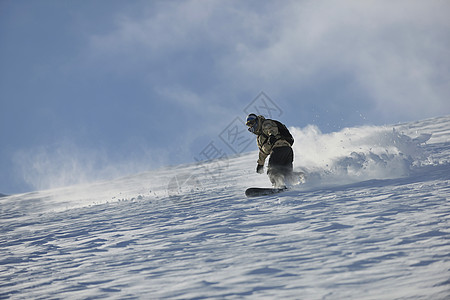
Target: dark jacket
column 266, row 129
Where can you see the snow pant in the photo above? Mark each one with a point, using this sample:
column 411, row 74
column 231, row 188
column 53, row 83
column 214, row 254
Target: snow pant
column 280, row 165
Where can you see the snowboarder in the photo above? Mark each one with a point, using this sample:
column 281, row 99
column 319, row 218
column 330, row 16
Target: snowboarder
column 274, row 139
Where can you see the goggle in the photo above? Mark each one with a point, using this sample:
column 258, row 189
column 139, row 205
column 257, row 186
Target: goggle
column 251, row 122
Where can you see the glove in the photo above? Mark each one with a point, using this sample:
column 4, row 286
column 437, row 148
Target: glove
column 260, row 169
column 272, row 139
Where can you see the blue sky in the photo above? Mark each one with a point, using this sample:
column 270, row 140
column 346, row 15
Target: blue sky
column 97, row 89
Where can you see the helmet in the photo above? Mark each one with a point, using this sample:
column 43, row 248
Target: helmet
column 252, row 122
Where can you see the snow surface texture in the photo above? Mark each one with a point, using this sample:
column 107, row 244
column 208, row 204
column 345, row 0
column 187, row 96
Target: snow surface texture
column 371, row 222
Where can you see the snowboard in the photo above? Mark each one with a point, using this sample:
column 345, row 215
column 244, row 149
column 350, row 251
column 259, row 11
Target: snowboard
column 256, row 192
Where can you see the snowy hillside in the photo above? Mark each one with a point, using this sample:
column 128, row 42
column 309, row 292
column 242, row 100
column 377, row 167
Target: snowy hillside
column 371, row 222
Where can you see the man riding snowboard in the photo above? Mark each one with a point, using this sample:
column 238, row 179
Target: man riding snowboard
column 274, row 139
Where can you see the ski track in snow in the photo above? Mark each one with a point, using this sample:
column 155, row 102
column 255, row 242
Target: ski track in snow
column 197, row 237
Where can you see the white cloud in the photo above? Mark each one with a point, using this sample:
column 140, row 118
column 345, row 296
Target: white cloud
column 394, row 53
column 397, row 52
column 165, row 30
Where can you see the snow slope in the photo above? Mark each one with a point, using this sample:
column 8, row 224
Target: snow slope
column 371, row 222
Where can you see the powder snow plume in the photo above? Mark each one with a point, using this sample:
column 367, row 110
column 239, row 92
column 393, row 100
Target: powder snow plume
column 355, row 154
